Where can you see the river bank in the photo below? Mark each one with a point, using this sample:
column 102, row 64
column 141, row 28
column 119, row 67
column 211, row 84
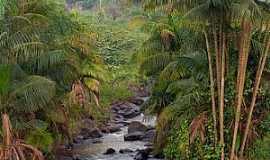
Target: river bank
column 126, row 136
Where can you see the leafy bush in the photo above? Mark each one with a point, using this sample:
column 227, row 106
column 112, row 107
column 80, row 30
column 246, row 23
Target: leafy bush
column 178, row 143
column 260, row 150
column 111, row 93
column 40, row 138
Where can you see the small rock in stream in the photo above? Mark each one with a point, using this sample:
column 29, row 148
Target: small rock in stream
column 124, row 151
column 109, row 151
column 149, row 136
column 78, row 139
column 135, row 136
column 141, row 155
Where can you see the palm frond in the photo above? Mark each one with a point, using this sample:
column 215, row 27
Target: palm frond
column 46, row 61
column 154, row 64
column 29, row 95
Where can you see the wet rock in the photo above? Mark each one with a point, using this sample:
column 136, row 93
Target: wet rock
column 131, row 113
column 118, row 117
column 109, row 151
column 141, row 155
column 95, row 141
column 114, row 128
column 135, row 136
column 124, row 151
column 104, row 129
column 125, row 110
column 89, row 129
column 136, row 126
column 111, row 127
column 78, row 139
column 149, row 144
column 90, row 133
column 149, row 136
column 124, row 123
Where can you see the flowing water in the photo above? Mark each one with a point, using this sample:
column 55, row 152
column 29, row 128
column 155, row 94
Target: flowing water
column 94, row 151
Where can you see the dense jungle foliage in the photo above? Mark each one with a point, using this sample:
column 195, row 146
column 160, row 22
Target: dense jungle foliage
column 205, row 63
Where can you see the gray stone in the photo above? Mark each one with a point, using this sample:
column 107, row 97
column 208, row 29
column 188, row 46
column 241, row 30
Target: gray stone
column 136, row 126
column 135, row 136
column 110, row 151
column 124, row 151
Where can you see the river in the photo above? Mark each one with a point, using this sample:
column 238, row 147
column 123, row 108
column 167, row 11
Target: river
column 94, row 151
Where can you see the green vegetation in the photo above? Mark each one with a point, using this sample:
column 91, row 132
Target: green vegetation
column 205, row 62
column 207, row 59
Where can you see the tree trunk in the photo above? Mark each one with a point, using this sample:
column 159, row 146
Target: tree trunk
column 217, row 63
column 221, row 103
column 254, row 94
column 212, row 89
column 242, row 63
column 220, row 63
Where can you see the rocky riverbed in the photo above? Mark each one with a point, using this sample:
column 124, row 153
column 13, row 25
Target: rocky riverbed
column 127, row 136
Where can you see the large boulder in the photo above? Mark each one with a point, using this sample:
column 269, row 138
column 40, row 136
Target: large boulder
column 135, row 136
column 136, row 126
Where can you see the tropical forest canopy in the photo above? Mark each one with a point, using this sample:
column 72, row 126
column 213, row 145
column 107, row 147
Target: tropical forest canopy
column 204, row 62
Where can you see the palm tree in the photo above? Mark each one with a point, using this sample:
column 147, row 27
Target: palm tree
column 218, row 15
column 41, row 45
column 264, row 29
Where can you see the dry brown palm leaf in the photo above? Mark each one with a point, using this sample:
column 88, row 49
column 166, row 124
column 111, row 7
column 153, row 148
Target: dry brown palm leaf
column 94, row 86
column 78, row 93
column 13, row 148
column 167, row 38
column 197, row 128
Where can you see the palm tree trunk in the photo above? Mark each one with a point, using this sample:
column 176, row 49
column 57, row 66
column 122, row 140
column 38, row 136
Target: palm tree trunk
column 217, row 63
column 254, row 94
column 212, row 89
column 242, row 63
column 222, row 84
column 220, row 77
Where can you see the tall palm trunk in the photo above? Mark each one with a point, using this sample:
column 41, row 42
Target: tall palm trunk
column 242, row 63
column 255, row 92
column 220, row 70
column 217, row 63
column 222, row 85
column 212, row 89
